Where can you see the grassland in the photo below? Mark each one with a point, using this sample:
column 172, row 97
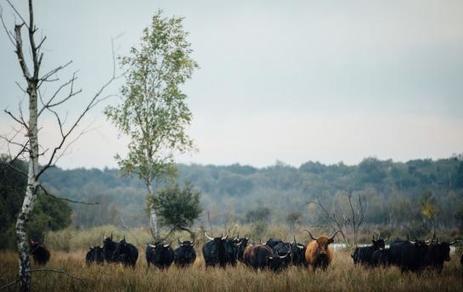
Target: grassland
column 342, row 275
column 68, row 248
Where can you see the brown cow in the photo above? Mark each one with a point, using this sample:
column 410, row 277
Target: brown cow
column 318, row 254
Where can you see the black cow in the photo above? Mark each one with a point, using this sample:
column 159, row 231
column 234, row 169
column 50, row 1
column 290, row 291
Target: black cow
column 184, row 254
column 219, row 251
column 298, row 254
column 363, row 255
column 282, row 248
column 241, row 244
column 95, row 255
column 126, row 253
column 438, row 253
column 381, row 257
column 109, row 247
column 262, row 257
column 160, row 254
column 272, row 242
column 408, row 256
column 40, row 253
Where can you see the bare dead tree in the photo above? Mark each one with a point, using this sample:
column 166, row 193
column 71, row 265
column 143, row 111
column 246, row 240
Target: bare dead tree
column 339, row 222
column 357, row 214
column 28, row 148
column 342, row 220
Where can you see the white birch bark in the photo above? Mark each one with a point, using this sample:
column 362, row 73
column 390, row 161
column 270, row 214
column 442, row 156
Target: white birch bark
column 154, row 224
column 30, row 196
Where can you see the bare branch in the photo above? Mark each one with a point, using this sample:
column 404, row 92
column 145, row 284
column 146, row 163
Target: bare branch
column 41, row 43
column 8, row 33
column 331, row 216
column 7, row 285
column 12, row 142
column 34, row 50
column 20, row 87
column 93, row 102
column 17, row 12
column 18, row 120
column 59, row 271
column 52, row 72
column 19, row 51
column 46, row 192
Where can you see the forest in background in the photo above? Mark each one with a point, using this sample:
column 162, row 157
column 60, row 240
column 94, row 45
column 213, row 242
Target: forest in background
column 412, row 196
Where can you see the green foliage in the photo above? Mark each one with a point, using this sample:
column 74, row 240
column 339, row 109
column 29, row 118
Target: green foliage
column 258, row 214
column 48, row 214
column 428, row 206
column 178, row 207
column 293, row 218
column 392, row 201
column 154, row 111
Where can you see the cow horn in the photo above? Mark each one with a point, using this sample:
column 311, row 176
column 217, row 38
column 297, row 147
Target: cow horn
column 225, row 237
column 179, row 242
column 310, row 234
column 208, row 237
column 332, row 237
column 166, row 245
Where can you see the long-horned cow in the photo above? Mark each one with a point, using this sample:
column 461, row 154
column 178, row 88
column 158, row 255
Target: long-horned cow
column 318, row 253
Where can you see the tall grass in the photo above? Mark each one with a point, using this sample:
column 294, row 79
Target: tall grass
column 342, row 275
column 68, row 249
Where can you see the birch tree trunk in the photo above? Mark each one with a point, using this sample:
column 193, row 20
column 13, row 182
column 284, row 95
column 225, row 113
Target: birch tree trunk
column 31, row 193
column 154, row 224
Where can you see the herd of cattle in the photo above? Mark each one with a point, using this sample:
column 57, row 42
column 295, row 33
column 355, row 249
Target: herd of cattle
column 275, row 254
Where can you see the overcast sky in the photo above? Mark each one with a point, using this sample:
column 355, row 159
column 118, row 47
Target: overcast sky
column 294, row 81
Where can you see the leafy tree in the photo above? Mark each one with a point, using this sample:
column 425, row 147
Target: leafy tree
column 429, row 208
column 293, row 218
column 261, row 214
column 48, row 214
column 178, row 207
column 154, row 112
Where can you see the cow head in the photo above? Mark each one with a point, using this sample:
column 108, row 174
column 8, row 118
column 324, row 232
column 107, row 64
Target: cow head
column 241, row 244
column 378, row 243
column 279, row 262
column 226, row 249
column 34, row 244
column 440, row 251
column 323, row 242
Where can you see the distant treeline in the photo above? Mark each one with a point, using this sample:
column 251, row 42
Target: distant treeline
column 418, row 194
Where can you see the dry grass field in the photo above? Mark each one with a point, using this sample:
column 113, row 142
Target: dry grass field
column 341, row 276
